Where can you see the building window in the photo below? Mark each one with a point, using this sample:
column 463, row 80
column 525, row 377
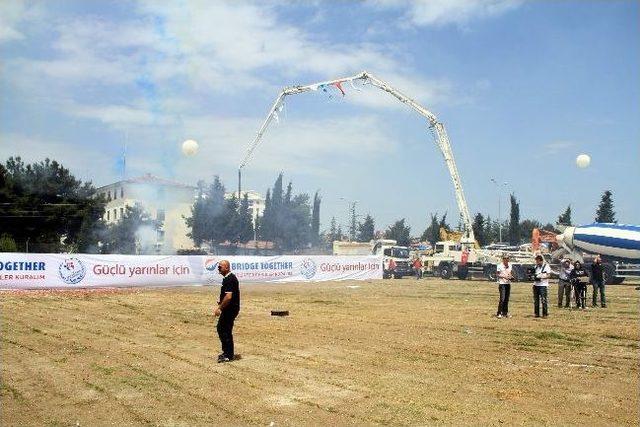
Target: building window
column 160, row 215
column 108, row 215
column 109, row 196
column 115, row 214
column 121, row 212
column 121, row 192
column 115, row 194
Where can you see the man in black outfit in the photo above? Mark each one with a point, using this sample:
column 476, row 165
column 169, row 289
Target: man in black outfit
column 598, row 282
column 228, row 309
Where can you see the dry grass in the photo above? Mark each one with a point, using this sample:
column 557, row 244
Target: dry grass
column 382, row 352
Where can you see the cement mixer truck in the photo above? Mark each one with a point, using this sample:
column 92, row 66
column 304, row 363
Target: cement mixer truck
column 618, row 245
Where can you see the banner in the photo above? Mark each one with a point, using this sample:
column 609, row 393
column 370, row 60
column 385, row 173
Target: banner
column 44, row 271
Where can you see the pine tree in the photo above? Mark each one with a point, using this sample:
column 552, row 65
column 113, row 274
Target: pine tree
column 315, row 219
column 353, row 225
column 605, row 212
column 366, row 229
column 432, row 233
column 565, row 218
column 479, row 229
column 514, row 222
column 335, row 233
column 399, row 232
column 245, row 220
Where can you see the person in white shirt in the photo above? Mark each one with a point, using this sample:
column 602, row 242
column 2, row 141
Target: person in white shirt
column 504, row 276
column 564, row 283
column 540, row 286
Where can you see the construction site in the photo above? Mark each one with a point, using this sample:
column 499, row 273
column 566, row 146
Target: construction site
column 401, row 352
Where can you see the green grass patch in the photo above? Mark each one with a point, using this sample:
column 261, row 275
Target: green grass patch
column 7, row 389
column 94, row 386
column 106, row 370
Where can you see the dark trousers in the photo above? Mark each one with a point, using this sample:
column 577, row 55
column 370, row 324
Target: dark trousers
column 418, row 272
column 580, row 290
column 598, row 284
column 564, row 289
column 225, row 332
column 540, row 297
column 503, row 304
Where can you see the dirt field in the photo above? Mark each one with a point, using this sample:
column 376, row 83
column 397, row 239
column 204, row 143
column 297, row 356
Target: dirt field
column 381, row 352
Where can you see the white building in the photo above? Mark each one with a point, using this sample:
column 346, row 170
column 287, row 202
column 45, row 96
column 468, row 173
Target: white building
column 256, row 202
column 164, row 200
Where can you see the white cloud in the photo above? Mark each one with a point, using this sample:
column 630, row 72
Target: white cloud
column 312, row 147
column 556, row 147
column 210, row 46
column 11, row 13
column 444, row 12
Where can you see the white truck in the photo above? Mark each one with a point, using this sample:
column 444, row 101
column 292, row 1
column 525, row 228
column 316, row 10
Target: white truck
column 396, row 262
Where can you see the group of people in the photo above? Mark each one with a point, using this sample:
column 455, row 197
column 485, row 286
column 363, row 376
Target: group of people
column 570, row 276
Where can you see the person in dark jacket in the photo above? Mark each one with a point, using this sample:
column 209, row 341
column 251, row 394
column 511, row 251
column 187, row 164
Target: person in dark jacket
column 579, row 287
column 227, row 310
column 597, row 282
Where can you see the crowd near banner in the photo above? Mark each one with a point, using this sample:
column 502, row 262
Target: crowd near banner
column 45, row 271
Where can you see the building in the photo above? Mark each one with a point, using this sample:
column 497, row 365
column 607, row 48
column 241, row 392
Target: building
column 256, row 203
column 164, row 200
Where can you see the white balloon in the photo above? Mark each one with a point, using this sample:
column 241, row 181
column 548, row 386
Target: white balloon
column 583, row 160
column 189, row 147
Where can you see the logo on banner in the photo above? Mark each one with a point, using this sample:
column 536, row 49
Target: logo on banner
column 211, row 269
column 308, row 268
column 72, row 271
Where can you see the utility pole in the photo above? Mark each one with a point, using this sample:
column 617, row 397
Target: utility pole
column 500, row 187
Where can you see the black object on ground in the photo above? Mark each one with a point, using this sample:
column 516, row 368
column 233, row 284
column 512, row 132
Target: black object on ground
column 279, row 312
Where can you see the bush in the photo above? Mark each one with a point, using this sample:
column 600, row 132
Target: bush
column 7, row 244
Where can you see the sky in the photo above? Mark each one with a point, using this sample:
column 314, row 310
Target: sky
column 522, row 87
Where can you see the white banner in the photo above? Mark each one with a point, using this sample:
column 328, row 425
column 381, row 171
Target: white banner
column 43, row 271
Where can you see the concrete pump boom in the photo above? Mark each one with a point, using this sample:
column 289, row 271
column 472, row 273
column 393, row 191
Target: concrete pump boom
column 438, row 130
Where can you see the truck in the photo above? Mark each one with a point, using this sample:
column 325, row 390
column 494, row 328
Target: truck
column 618, row 245
column 396, row 262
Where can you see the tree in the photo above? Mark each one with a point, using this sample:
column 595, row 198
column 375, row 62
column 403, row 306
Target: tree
column 315, row 219
column 399, row 232
column 335, row 233
column 353, row 225
column 43, row 203
column 366, row 229
column 514, row 221
column 605, row 212
column 230, row 220
column 207, row 222
column 565, row 218
column 432, row 233
column 479, row 229
column 245, row 218
column 135, row 233
column 287, row 219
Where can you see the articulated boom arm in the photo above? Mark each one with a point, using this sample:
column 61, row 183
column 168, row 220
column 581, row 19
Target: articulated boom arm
column 439, row 133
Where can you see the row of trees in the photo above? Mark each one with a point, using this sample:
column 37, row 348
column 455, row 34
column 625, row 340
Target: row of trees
column 44, row 208
column 485, row 229
column 289, row 220
column 215, row 219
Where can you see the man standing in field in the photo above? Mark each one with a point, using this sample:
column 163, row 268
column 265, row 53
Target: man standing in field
column 598, row 282
column 227, row 310
column 540, row 286
column 504, row 274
